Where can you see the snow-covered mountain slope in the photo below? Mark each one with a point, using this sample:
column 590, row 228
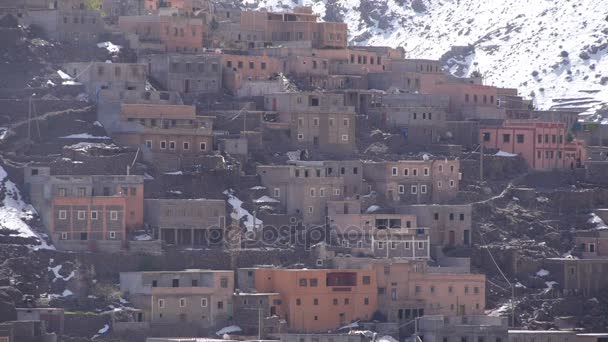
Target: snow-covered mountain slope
column 555, row 51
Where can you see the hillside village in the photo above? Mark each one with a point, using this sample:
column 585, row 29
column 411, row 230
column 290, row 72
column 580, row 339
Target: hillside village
column 197, row 170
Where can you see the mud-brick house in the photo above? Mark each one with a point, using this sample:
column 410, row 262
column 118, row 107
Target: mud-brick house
column 191, row 299
column 170, row 136
column 319, row 121
column 95, row 213
column 543, row 145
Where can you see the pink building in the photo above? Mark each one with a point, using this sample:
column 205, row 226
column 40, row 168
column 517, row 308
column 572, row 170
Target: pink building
column 543, row 145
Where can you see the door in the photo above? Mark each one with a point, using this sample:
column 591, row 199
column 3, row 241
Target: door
column 466, row 237
column 273, row 310
column 186, row 86
column 452, row 237
column 315, row 142
column 274, row 104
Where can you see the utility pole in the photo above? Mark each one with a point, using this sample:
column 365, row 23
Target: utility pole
column 481, row 161
column 259, row 324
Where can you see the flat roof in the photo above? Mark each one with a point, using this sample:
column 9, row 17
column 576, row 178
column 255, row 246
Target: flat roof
column 542, row 332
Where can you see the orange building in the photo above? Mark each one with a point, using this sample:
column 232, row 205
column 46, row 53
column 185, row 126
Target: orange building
column 543, row 145
column 315, row 300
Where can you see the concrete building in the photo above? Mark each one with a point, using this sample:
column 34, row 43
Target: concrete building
column 466, row 328
column 238, row 70
column 315, row 300
column 410, row 288
column 299, row 26
column 448, row 225
column 87, row 212
column 108, row 81
column 318, row 121
column 542, row 336
column 305, row 188
column 543, row 145
column 165, row 33
column 168, row 135
column 186, row 74
column 187, row 222
column 69, row 21
column 578, row 276
column 254, row 311
column 381, row 235
column 25, row 331
column 192, row 297
column 421, row 118
column 592, row 244
column 323, row 337
column 53, row 318
column 414, row 181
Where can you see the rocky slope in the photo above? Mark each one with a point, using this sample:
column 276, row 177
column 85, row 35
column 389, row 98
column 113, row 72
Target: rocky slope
column 555, row 51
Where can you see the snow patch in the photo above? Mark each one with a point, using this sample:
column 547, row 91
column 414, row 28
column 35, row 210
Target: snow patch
column 505, row 154
column 112, row 48
column 85, row 136
column 228, row 330
column 542, row 273
column 238, row 212
column 266, row 199
column 56, row 270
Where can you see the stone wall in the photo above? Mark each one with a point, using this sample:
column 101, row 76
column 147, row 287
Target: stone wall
column 495, row 167
column 85, row 324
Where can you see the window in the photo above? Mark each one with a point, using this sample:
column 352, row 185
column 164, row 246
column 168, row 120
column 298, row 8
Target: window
column 394, row 171
column 64, row 236
column 310, row 210
column 203, row 146
column 298, row 301
column 186, row 146
column 312, row 192
column 337, row 192
column 439, row 184
column 163, row 145
column 240, row 64
column 148, row 143
column 344, row 137
column 315, row 121
column 461, row 217
column 224, row 283
column 451, row 184
column 303, row 282
column 345, row 122
column 161, row 303
column 314, row 282
column 277, row 192
column 423, row 189
column 450, row 289
column 63, row 192
column 476, row 290
column 451, row 216
column 251, row 66
column 182, row 302
column 112, row 235
column 300, row 136
column 322, row 192
column 414, row 172
column 407, row 245
column 172, row 145
column 520, row 138
column 420, row 245
column 506, row 138
column 194, row 282
column 486, row 136
column 220, row 305
column 426, row 171
column 263, row 66
column 365, row 301
column 366, row 280
column 414, row 189
column 335, row 301
column 113, row 215
column 81, row 215
column 380, row 245
column 401, row 189
column 406, row 172
column 466, row 289
column 315, row 301
column 346, row 301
